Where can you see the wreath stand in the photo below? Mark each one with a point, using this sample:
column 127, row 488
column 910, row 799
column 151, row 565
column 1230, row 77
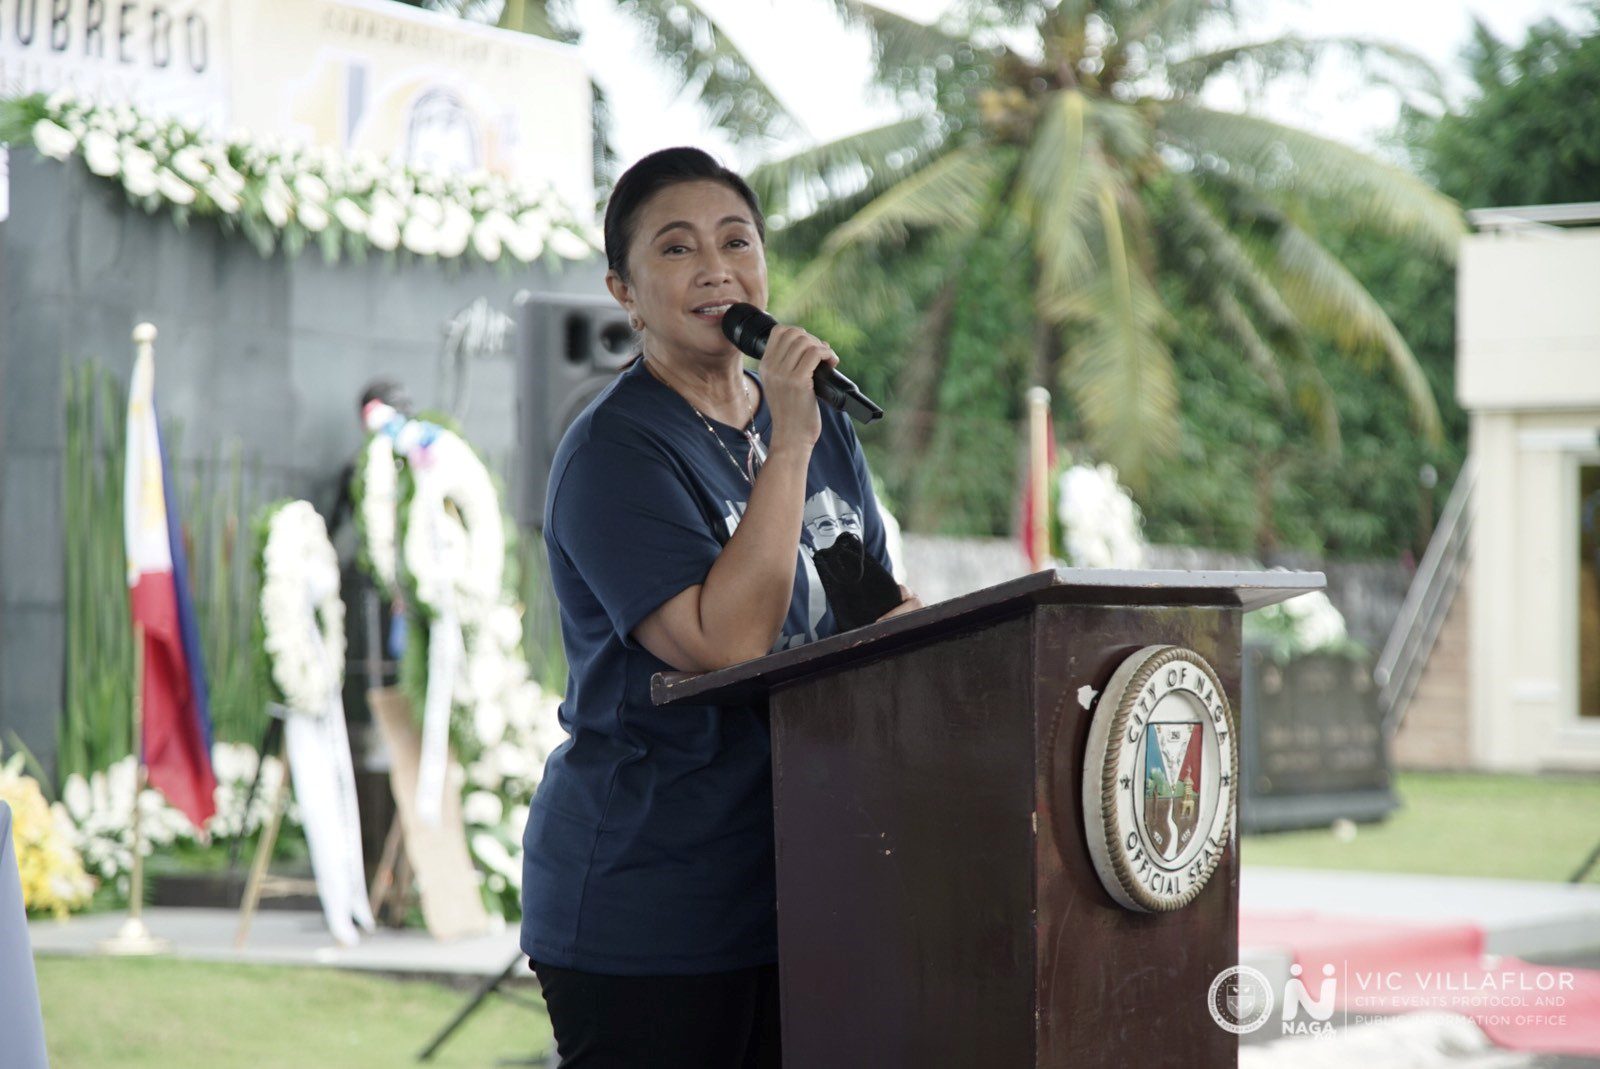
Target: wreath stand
column 272, row 743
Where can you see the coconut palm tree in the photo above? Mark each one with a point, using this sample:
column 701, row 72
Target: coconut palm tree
column 1080, row 126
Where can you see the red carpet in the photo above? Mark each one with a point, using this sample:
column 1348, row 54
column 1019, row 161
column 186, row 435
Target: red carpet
column 1390, row 967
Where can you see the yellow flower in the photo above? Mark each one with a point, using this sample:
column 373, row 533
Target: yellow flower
column 53, row 879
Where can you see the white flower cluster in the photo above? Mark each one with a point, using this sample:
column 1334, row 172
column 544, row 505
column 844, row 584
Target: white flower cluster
column 302, row 618
column 312, row 191
column 513, row 720
column 1101, row 525
column 375, row 512
column 518, row 729
column 1309, row 623
column 96, row 812
column 514, row 728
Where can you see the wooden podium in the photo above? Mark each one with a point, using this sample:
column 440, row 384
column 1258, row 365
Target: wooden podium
column 939, row 898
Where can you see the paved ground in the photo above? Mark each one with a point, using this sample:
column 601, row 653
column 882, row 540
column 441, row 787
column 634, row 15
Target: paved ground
column 286, row 937
column 1519, row 917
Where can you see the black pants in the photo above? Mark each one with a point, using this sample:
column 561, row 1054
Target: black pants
column 726, row 1020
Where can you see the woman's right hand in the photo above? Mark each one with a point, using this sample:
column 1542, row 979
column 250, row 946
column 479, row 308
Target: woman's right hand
column 788, row 370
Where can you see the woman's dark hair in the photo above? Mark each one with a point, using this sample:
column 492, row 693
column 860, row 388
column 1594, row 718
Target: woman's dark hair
column 650, row 176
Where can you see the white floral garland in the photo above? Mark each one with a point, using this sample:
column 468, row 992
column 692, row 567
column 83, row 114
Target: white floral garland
column 285, row 193
column 456, row 561
column 453, row 558
column 375, row 511
column 302, row 617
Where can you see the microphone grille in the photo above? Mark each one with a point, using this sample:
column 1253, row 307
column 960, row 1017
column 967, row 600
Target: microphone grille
column 742, row 324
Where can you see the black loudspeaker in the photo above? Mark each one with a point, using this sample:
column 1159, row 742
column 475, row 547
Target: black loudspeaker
column 568, row 348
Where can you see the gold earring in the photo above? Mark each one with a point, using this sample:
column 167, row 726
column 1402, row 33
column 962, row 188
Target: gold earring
column 636, row 323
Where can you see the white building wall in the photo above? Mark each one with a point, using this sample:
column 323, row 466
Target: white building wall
column 1528, row 372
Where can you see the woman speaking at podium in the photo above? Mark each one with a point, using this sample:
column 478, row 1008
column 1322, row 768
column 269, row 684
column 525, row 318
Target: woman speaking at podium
column 689, row 510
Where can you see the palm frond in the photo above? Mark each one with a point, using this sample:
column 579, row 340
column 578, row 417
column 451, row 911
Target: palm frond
column 1273, row 158
column 821, row 174
column 1216, row 255
column 917, row 385
column 706, row 62
column 1382, row 61
column 1118, row 368
column 1124, row 133
column 1055, row 197
column 1324, row 293
column 1222, row 272
column 951, row 193
column 1231, row 314
column 900, row 45
column 850, row 282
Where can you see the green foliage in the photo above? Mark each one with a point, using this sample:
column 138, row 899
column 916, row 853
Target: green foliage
column 1249, row 475
column 222, row 546
column 1531, row 135
column 966, row 483
column 96, row 724
column 96, row 720
column 1245, row 478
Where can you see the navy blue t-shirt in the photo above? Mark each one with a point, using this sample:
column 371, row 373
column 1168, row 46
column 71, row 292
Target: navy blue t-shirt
column 649, row 845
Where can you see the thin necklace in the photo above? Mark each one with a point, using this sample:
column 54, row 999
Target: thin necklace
column 758, row 449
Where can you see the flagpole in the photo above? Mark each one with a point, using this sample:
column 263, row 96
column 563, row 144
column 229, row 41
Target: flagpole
column 1039, row 471
column 133, row 937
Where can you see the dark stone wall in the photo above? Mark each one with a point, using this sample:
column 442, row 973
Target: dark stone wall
column 269, row 353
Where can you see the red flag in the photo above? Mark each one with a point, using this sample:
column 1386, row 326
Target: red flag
column 176, row 724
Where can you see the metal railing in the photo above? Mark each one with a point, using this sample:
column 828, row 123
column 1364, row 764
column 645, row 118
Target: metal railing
column 1433, row 590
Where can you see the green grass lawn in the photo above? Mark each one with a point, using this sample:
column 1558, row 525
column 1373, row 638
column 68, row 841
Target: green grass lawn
column 1459, row 824
column 172, row 1014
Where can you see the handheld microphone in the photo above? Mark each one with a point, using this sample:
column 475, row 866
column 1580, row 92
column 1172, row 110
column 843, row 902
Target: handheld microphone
column 748, row 327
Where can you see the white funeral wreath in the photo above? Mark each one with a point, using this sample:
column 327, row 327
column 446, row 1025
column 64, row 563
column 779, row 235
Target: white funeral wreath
column 302, row 618
column 455, row 541
column 375, row 512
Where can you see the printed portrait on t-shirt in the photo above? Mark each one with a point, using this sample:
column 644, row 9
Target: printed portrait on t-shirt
column 827, row 516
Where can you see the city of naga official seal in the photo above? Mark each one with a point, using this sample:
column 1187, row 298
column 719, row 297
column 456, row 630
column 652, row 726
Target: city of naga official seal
column 1158, row 779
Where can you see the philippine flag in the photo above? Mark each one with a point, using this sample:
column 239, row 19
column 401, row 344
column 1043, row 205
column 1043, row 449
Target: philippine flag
column 176, row 728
